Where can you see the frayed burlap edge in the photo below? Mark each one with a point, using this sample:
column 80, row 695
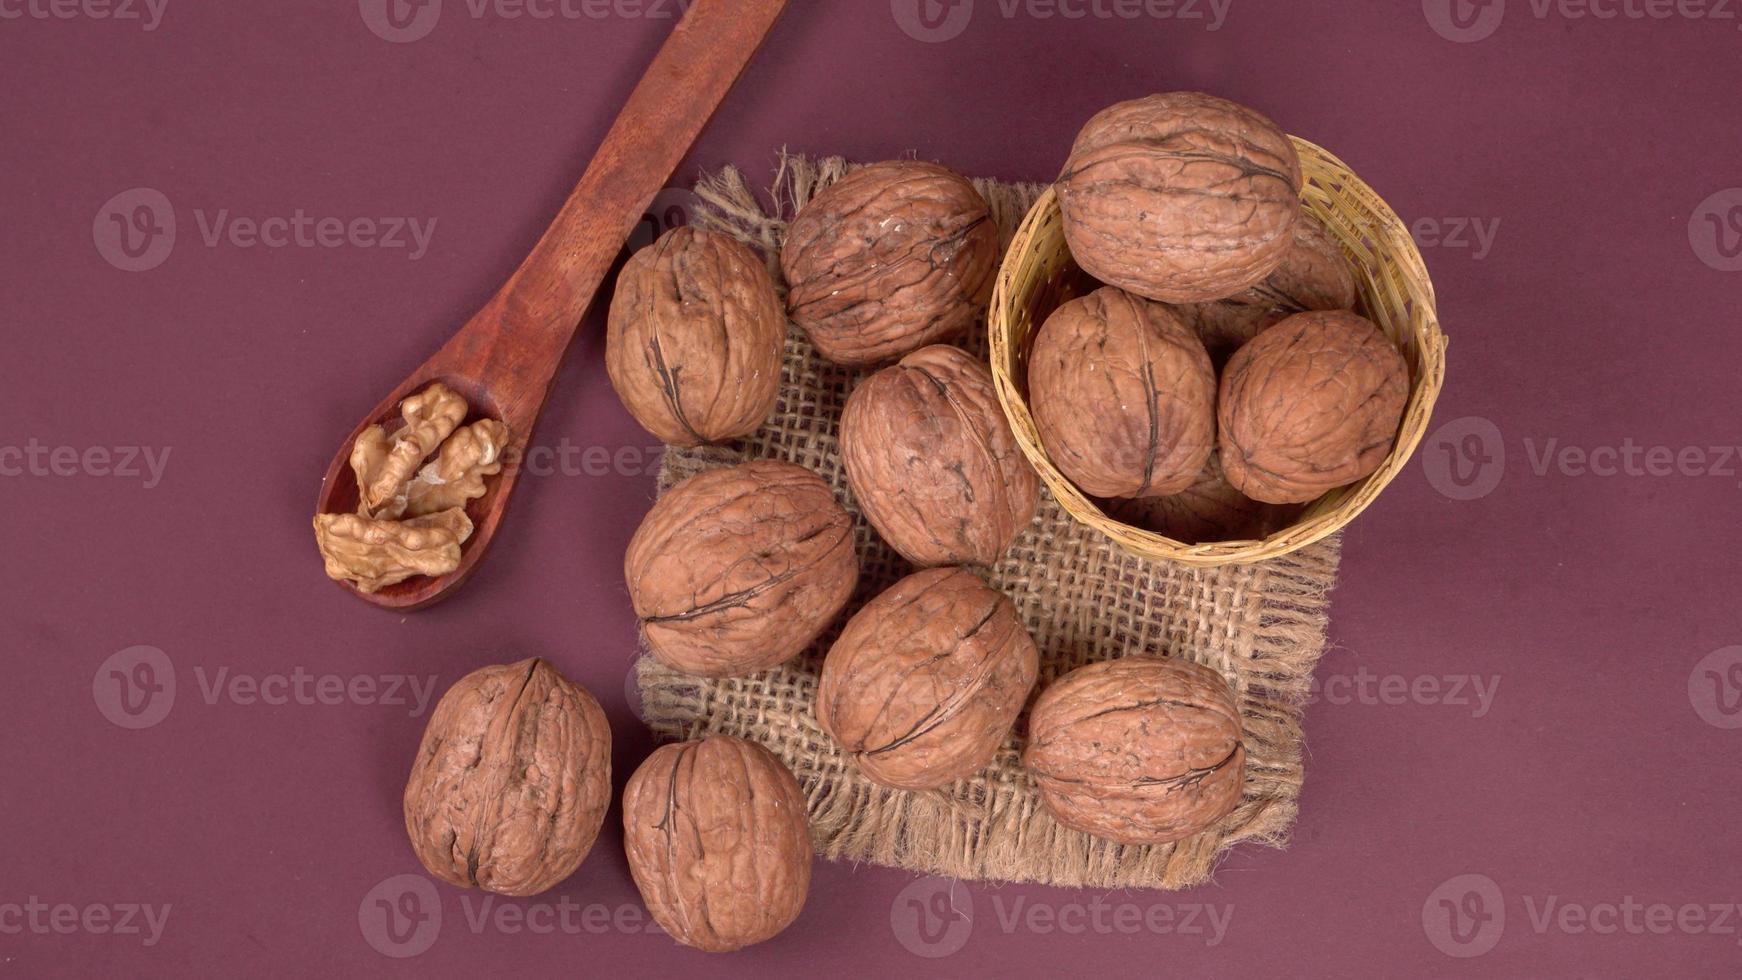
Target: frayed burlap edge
column 1262, row 626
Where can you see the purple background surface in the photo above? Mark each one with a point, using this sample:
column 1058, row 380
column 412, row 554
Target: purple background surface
column 1522, row 758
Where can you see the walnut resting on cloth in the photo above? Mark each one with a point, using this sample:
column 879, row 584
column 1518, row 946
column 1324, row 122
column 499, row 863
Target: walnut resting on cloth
column 511, row 783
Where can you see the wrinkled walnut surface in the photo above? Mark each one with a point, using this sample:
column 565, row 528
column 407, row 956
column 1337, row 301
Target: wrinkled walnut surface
column 718, row 842
column 925, row 681
column 1123, row 395
column 457, row 474
column 384, row 465
column 694, row 339
column 1208, row 511
column 1180, row 197
column 1141, row 750
column 892, row 257
column 512, row 780
column 373, row 554
column 1313, row 275
column 932, row 462
column 1313, row 404
column 736, row 570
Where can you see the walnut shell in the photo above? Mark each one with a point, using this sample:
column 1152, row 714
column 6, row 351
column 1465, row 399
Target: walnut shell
column 1313, row 275
column 511, row 783
column 739, row 569
column 1123, row 395
column 932, row 462
column 1141, row 750
column 718, row 842
column 1312, row 404
column 1208, row 511
column 925, row 681
column 1180, row 197
column 890, row 258
column 695, row 337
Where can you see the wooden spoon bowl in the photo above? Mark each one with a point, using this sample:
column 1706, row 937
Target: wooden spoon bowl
column 504, row 359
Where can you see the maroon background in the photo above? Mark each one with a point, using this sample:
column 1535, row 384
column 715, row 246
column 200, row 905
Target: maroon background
column 1591, row 321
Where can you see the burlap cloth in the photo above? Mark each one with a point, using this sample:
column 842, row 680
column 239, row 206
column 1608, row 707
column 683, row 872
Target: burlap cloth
column 1082, row 597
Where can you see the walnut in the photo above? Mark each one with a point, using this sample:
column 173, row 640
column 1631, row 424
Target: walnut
column 373, row 554
column 1180, row 197
column 718, row 842
column 739, row 569
column 892, row 257
column 931, row 460
column 512, row 780
column 457, row 474
column 1123, row 395
column 1313, row 404
column 695, row 338
column 1314, row 275
column 1208, row 511
column 384, row 466
column 925, row 681
column 1141, row 750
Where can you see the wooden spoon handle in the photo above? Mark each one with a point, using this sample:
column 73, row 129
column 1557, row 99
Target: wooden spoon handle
column 707, row 51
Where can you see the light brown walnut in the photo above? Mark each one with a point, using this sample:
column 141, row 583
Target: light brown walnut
column 932, row 462
column 1208, row 511
column 373, row 554
column 1140, row 750
column 892, row 257
column 718, row 842
column 384, row 465
column 1312, row 404
column 1180, row 197
column 926, row 680
column 512, row 780
column 457, row 473
column 1123, row 395
column 694, row 339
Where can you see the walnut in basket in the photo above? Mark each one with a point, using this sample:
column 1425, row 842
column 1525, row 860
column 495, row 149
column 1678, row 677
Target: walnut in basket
column 718, row 842
column 738, row 569
column 1180, row 197
column 1208, row 511
column 1313, row 404
column 1140, row 750
column 1123, row 395
column 890, row 258
column 694, row 339
column 511, row 783
column 931, row 460
column 924, row 683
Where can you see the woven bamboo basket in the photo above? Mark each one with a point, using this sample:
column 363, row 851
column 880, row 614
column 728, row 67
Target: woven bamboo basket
column 1039, row 274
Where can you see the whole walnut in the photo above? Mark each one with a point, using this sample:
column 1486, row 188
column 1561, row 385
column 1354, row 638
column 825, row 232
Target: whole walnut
column 931, row 460
column 718, row 842
column 1180, row 197
column 1123, row 395
column 925, row 681
column 1312, row 404
column 1313, row 275
column 695, row 337
column 890, row 258
column 739, row 569
column 1141, row 750
column 1208, row 511
column 511, row 783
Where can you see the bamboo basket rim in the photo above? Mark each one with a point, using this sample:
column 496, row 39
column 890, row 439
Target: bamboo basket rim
column 1396, row 293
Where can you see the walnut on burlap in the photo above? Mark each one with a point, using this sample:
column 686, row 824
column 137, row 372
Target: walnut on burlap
column 1082, row 597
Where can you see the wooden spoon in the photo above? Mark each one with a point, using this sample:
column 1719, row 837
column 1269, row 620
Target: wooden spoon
column 503, row 360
